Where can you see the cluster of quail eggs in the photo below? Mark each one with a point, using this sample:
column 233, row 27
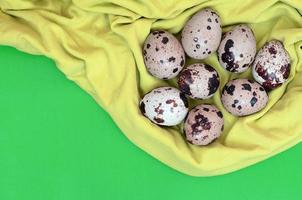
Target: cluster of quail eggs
column 164, row 58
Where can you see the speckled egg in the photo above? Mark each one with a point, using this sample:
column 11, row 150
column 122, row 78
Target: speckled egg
column 165, row 106
column 203, row 124
column 243, row 97
column 201, row 35
column 163, row 55
column 237, row 49
column 199, row 81
column 271, row 67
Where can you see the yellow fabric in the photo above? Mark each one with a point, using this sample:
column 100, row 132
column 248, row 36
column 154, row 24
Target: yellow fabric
column 97, row 44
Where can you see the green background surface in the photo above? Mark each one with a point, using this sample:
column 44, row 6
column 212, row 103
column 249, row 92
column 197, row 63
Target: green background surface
column 57, row 143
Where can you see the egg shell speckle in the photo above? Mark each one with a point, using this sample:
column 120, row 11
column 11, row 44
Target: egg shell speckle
column 201, row 35
column 203, row 124
column 272, row 65
column 243, row 97
column 165, row 106
column 199, row 81
column 163, row 55
column 237, row 49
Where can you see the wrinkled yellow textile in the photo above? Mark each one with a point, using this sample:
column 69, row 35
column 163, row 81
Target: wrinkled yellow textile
column 98, row 44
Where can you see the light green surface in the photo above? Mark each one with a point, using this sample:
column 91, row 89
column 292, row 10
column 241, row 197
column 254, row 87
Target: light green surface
column 57, row 143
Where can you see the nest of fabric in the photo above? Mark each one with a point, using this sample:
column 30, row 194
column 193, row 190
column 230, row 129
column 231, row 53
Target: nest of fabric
column 98, row 44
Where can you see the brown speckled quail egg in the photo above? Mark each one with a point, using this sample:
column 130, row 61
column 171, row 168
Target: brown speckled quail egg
column 199, row 81
column 165, row 106
column 203, row 124
column 163, row 55
column 237, row 49
column 201, row 35
column 243, row 97
column 271, row 67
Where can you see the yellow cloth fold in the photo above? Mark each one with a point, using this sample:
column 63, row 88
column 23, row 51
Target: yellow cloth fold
column 98, row 44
